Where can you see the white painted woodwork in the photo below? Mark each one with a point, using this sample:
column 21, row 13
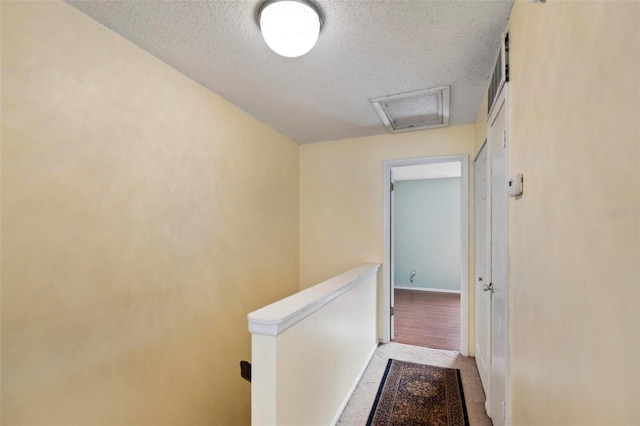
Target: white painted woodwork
column 309, row 350
column 497, row 139
column 482, row 251
column 392, row 254
column 277, row 317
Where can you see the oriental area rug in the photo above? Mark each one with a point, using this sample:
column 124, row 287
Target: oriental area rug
column 417, row 394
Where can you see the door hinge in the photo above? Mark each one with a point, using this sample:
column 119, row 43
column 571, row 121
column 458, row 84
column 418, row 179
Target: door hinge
column 393, row 311
column 504, row 410
column 392, row 186
column 504, row 138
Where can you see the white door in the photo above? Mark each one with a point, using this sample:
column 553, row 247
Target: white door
column 482, row 298
column 497, row 140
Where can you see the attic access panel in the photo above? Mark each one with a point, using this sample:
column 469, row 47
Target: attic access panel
column 423, row 109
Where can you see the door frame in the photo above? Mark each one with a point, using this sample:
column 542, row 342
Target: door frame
column 385, row 300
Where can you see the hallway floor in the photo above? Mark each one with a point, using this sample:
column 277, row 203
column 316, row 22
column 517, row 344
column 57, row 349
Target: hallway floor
column 357, row 410
column 427, row 319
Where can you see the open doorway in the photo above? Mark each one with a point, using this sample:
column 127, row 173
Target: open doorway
column 425, row 267
column 425, row 242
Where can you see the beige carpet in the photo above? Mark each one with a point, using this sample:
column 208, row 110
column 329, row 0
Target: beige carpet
column 357, row 410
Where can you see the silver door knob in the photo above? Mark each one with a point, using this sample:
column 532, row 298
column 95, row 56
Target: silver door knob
column 488, row 287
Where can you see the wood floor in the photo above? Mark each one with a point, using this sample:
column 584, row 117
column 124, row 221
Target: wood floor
column 427, row 319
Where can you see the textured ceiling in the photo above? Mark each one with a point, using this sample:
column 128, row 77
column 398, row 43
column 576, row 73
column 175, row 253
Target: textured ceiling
column 366, row 49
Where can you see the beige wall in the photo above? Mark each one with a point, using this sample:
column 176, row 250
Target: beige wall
column 341, row 198
column 143, row 217
column 575, row 281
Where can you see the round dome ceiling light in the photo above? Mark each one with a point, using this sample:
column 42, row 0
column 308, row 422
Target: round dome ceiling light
column 290, row 27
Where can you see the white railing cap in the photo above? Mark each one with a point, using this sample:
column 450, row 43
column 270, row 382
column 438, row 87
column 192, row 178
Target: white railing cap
column 279, row 316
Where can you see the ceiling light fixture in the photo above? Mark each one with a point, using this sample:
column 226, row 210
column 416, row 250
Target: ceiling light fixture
column 290, row 27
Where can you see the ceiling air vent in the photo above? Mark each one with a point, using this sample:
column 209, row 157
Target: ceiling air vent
column 424, row 109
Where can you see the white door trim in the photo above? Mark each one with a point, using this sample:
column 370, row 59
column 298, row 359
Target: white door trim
column 385, row 300
column 392, row 254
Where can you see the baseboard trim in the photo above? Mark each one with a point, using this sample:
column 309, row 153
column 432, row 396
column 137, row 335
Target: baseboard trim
column 432, row 290
column 353, row 387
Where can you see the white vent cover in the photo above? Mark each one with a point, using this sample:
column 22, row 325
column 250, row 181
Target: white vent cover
column 424, row 109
